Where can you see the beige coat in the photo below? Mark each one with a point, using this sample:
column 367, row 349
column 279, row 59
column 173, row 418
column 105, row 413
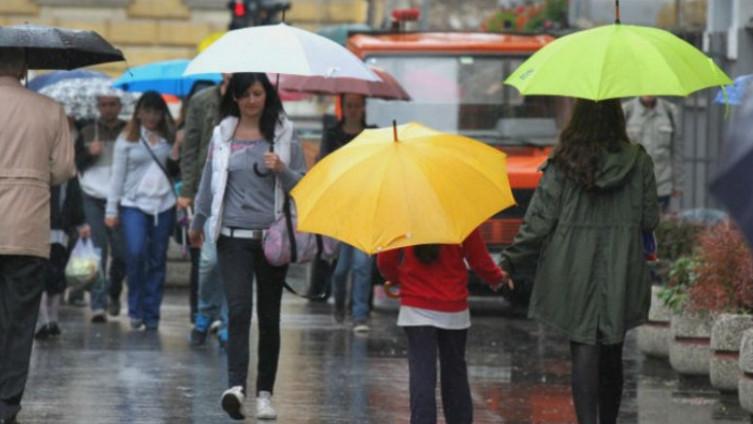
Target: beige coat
column 36, row 151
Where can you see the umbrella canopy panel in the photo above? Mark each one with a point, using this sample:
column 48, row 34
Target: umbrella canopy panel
column 279, row 49
column 735, row 92
column 428, row 187
column 388, row 88
column 615, row 61
column 51, row 78
column 79, row 96
column 58, row 48
column 164, row 77
column 732, row 184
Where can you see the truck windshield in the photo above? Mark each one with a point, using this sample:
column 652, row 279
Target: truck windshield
column 465, row 95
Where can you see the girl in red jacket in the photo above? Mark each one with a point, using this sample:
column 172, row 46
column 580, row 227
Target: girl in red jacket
column 434, row 313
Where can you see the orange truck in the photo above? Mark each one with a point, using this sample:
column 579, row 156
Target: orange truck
column 456, row 84
column 455, row 81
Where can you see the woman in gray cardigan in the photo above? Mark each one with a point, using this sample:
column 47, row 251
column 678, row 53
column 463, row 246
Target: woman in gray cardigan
column 142, row 200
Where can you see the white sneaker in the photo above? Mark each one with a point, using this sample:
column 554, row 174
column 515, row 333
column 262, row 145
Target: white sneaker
column 361, row 327
column 264, row 409
column 232, row 402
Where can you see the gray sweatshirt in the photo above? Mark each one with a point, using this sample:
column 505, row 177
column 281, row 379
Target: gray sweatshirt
column 249, row 199
column 131, row 161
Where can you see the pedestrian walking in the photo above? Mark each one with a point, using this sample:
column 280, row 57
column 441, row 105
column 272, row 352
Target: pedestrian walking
column 141, row 200
column 582, row 233
column 655, row 124
column 66, row 221
column 202, row 115
column 434, row 314
column 95, row 148
column 37, row 153
column 350, row 261
column 241, row 194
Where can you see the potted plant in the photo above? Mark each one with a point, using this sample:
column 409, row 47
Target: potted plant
column 675, row 241
column 724, row 285
column 745, row 382
column 722, row 267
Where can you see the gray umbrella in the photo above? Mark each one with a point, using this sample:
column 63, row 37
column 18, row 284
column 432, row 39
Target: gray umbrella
column 58, row 48
column 732, row 186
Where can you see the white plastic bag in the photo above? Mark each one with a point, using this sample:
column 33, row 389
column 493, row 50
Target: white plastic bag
column 83, row 268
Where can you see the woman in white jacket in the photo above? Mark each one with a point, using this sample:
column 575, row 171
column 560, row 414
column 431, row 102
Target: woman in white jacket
column 254, row 159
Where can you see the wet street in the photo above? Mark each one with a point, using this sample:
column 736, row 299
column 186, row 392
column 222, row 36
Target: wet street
column 519, row 373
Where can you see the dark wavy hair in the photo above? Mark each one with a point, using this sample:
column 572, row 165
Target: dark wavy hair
column 594, row 127
column 154, row 101
column 427, row 254
column 273, row 110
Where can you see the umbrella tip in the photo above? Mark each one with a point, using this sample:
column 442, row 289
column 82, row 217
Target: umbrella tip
column 394, row 129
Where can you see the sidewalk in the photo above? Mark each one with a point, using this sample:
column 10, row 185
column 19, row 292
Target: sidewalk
column 519, row 372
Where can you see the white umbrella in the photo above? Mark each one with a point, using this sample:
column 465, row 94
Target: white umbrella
column 279, row 49
column 79, row 96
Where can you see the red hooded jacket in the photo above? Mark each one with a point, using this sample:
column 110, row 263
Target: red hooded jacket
column 442, row 285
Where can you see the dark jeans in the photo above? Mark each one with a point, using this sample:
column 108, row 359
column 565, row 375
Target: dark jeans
column 111, row 242
column 597, row 382
column 55, row 270
column 240, row 261
column 423, row 344
column 21, row 284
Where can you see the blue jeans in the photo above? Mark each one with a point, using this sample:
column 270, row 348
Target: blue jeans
column 353, row 260
column 146, row 257
column 211, row 303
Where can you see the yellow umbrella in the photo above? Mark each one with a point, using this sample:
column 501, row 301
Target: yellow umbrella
column 208, row 41
column 403, row 186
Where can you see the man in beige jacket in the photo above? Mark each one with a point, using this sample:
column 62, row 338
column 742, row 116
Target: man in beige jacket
column 36, row 151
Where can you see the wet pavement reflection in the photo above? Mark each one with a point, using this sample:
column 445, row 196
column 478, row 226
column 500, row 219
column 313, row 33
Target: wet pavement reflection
column 519, row 373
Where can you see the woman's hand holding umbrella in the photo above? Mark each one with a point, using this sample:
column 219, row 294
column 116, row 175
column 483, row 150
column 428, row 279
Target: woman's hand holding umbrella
column 273, row 162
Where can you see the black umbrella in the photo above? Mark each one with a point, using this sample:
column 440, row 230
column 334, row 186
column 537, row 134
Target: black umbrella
column 732, row 186
column 58, row 48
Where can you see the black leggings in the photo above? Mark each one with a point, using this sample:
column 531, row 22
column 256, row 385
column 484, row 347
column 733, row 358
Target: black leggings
column 596, row 382
column 241, row 262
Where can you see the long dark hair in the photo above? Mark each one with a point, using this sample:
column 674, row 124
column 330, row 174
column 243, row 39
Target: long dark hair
column 151, row 100
column 427, row 254
column 593, row 128
column 273, row 111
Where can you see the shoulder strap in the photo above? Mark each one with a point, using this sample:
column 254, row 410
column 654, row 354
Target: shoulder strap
column 161, row 167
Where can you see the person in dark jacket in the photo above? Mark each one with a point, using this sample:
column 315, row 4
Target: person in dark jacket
column 66, row 220
column 351, row 261
column 95, row 147
column 582, row 233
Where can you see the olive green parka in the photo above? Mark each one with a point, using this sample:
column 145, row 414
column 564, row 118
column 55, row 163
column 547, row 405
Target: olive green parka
column 591, row 280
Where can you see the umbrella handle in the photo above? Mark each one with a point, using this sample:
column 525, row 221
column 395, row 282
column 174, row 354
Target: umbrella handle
column 256, row 166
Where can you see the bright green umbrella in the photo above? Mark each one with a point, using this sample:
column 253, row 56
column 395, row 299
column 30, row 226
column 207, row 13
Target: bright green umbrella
column 614, row 61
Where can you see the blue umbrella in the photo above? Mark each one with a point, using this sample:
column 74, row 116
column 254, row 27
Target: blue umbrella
column 736, row 91
column 732, row 184
column 44, row 80
column 164, row 77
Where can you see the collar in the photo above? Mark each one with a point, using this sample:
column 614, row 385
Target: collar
column 145, row 133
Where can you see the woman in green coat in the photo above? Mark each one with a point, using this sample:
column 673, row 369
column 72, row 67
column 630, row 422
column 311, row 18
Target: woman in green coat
column 582, row 235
